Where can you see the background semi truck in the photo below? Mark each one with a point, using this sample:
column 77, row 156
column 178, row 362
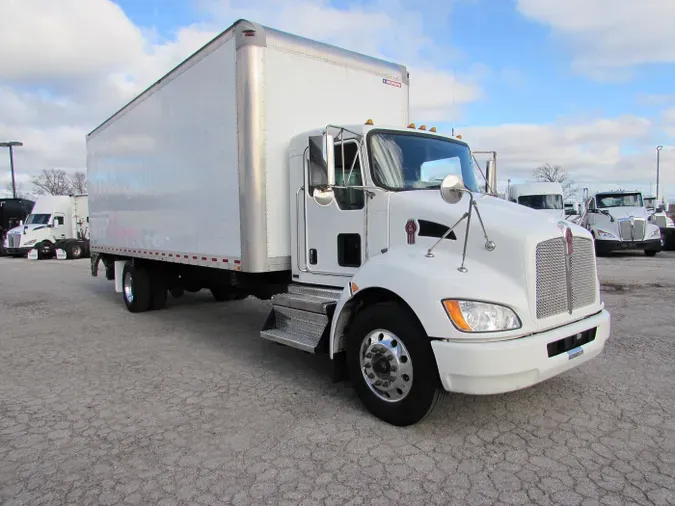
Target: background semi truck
column 12, row 214
column 619, row 221
column 56, row 222
column 544, row 196
column 279, row 167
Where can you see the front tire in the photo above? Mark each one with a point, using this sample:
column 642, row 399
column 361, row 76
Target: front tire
column 136, row 288
column 391, row 364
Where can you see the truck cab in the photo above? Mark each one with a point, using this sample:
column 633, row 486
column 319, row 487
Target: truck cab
column 619, row 221
column 54, row 221
column 544, row 196
column 659, row 217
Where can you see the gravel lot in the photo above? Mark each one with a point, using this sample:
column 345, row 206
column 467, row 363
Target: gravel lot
column 189, row 406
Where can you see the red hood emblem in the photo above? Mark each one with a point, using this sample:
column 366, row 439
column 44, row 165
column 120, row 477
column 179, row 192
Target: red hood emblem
column 569, row 241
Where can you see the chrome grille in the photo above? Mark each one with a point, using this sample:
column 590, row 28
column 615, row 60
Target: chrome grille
column 13, row 240
column 634, row 231
column 583, row 273
column 639, row 229
column 551, row 276
column 626, row 230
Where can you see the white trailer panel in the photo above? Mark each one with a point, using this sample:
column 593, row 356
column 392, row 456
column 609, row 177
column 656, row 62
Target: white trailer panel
column 195, row 169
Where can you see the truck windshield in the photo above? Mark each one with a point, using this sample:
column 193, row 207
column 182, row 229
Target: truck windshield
column 38, row 219
column 407, row 161
column 542, row 201
column 619, row 200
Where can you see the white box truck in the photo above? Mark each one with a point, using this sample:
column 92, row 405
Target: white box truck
column 58, row 224
column 270, row 165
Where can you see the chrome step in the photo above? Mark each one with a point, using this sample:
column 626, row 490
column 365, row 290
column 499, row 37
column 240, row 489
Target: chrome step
column 300, row 317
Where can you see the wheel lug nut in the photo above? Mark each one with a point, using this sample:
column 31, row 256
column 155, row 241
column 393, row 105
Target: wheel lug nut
column 390, row 357
column 393, row 368
column 369, row 355
column 385, row 384
column 368, row 365
column 378, row 383
column 371, row 375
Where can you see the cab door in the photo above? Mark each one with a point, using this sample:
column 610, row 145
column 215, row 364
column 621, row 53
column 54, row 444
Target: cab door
column 335, row 228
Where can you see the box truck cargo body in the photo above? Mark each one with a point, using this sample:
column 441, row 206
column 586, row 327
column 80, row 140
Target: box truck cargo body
column 206, row 149
column 275, row 166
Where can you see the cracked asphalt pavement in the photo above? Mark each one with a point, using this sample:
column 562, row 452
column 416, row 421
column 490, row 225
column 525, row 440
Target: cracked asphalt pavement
column 190, row 406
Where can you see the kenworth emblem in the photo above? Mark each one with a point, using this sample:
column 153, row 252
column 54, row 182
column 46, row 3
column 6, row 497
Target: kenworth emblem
column 410, row 229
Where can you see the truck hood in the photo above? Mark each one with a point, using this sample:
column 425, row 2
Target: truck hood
column 619, row 213
column 29, row 228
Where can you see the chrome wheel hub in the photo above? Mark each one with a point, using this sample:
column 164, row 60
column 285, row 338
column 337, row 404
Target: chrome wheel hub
column 386, row 365
column 128, row 287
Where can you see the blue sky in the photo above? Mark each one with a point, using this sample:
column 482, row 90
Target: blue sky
column 569, row 82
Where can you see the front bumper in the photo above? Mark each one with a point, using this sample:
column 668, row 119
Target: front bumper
column 607, row 246
column 17, row 251
column 503, row 366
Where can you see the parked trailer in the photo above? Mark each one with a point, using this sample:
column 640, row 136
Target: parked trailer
column 12, row 214
column 57, row 225
column 252, row 169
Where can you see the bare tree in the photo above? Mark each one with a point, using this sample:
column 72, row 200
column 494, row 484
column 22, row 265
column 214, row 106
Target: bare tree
column 21, row 193
column 556, row 174
column 52, row 182
column 78, row 182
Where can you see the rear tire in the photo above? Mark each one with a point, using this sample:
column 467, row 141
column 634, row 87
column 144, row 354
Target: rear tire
column 136, row 288
column 74, row 250
column 650, row 252
column 387, row 345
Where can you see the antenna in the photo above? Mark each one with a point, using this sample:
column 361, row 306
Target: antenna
column 454, row 80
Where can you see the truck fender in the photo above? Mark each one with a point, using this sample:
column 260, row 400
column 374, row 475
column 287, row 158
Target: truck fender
column 419, row 283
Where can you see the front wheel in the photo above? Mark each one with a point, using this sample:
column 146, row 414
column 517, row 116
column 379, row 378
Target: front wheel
column 392, row 365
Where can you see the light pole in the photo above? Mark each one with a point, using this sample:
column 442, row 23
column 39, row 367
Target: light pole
column 658, row 167
column 11, row 145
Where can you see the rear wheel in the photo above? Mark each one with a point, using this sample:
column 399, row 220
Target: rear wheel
column 136, row 288
column 650, row 252
column 391, row 364
column 74, row 250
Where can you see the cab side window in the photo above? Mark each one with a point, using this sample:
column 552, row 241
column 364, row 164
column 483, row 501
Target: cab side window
column 348, row 199
column 58, row 221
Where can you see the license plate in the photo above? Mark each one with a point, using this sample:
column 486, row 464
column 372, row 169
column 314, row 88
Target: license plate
column 576, row 352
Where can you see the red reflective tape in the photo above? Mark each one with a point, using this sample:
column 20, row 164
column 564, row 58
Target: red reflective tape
column 225, row 260
column 214, row 259
column 203, row 258
column 194, row 258
column 185, row 256
column 237, row 261
column 163, row 254
column 170, row 254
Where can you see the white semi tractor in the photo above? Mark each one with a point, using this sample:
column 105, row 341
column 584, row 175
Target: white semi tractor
column 544, row 195
column 253, row 169
column 56, row 223
column 659, row 217
column 619, row 221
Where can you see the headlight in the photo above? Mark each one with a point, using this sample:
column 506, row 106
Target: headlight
column 606, row 235
column 471, row 316
column 655, row 233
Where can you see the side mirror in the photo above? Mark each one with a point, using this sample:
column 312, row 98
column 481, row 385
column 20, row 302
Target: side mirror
column 328, row 151
column 323, row 198
column 452, row 189
column 491, row 177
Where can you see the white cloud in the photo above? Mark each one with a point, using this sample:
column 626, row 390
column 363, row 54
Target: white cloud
column 66, row 66
column 592, row 152
column 609, row 35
